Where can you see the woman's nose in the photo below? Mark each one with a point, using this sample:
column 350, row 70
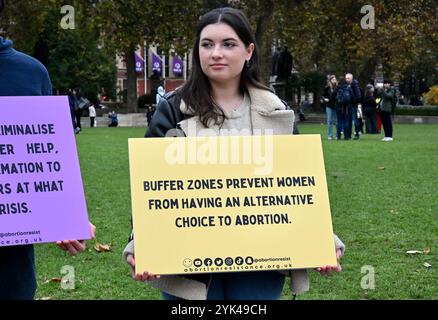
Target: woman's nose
column 217, row 52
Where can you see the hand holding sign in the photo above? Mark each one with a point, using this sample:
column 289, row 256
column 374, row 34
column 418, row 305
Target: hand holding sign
column 328, row 270
column 76, row 246
column 145, row 276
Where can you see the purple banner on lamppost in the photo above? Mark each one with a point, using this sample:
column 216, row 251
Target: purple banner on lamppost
column 156, row 63
column 177, row 65
column 139, row 63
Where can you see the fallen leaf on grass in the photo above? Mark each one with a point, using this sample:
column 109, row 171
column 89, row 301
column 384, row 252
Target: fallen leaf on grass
column 381, row 168
column 44, row 298
column 427, row 265
column 425, row 251
column 413, row 252
column 99, row 247
column 56, row 280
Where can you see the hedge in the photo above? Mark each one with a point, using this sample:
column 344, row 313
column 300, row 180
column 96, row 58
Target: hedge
column 416, row 111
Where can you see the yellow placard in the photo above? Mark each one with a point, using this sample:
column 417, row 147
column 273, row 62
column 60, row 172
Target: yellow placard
column 227, row 204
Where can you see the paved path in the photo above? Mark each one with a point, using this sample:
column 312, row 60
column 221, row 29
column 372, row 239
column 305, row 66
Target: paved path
column 139, row 120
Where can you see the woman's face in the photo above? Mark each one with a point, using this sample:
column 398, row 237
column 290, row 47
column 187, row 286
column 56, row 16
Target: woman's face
column 222, row 54
column 333, row 80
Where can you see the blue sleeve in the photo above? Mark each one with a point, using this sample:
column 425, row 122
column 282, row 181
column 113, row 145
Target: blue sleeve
column 46, row 89
column 357, row 93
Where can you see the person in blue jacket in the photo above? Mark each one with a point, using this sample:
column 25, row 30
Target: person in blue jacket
column 22, row 75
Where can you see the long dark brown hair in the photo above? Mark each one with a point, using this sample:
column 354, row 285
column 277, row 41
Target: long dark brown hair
column 330, row 84
column 196, row 92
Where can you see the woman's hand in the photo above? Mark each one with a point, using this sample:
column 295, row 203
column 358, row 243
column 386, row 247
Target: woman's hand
column 328, row 270
column 145, row 276
column 76, row 246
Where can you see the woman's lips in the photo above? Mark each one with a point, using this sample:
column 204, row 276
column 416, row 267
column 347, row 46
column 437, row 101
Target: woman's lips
column 217, row 66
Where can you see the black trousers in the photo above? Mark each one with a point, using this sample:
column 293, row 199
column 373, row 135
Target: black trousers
column 371, row 122
column 78, row 115
column 92, row 119
column 387, row 123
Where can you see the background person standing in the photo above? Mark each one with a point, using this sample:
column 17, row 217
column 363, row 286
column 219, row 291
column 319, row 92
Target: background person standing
column 388, row 97
column 92, row 115
column 330, row 104
column 357, row 98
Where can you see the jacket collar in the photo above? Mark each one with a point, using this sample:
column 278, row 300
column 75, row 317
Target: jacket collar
column 5, row 46
column 262, row 101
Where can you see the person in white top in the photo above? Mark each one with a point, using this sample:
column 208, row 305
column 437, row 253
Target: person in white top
column 160, row 94
column 92, row 113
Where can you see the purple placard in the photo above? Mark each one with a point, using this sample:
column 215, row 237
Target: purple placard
column 41, row 193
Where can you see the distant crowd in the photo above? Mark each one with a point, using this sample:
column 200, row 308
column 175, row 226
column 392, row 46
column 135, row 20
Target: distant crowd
column 346, row 103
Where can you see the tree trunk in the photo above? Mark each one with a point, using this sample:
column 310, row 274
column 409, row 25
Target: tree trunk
column 367, row 73
column 316, row 105
column 132, row 80
column 264, row 52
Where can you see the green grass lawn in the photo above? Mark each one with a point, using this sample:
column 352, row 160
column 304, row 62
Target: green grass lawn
column 384, row 201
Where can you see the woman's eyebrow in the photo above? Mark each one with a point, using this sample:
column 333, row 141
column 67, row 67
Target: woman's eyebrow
column 224, row 40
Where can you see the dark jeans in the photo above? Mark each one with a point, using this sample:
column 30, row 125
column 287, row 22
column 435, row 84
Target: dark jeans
column 371, row 122
column 92, row 119
column 262, row 285
column 17, row 273
column 343, row 121
column 387, row 123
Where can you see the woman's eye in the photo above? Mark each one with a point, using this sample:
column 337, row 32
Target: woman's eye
column 229, row 45
column 206, row 45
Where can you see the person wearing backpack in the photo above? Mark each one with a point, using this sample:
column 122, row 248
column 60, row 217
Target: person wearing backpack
column 356, row 99
column 388, row 97
column 344, row 98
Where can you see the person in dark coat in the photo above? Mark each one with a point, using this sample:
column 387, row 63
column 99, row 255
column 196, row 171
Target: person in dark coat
column 369, row 107
column 330, row 104
column 285, row 63
column 357, row 98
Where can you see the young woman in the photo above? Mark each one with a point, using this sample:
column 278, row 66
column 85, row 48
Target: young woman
column 330, row 103
column 369, row 107
column 224, row 93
